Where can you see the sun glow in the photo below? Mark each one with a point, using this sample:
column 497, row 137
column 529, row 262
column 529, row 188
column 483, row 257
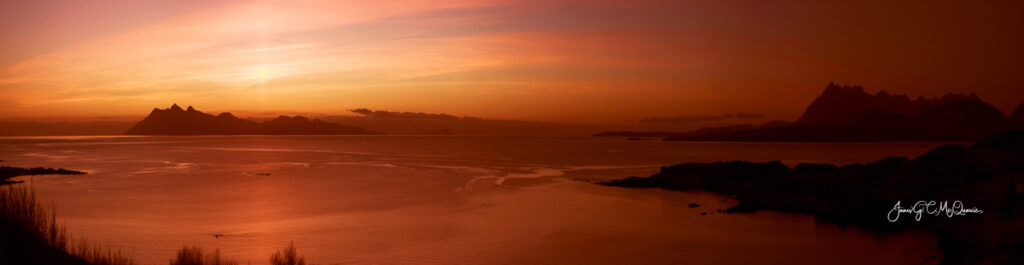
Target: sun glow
column 262, row 74
column 493, row 58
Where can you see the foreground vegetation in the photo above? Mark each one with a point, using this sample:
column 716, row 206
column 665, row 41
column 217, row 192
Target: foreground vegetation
column 31, row 235
column 194, row 256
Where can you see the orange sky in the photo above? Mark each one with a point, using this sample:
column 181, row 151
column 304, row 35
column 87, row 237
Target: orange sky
column 566, row 61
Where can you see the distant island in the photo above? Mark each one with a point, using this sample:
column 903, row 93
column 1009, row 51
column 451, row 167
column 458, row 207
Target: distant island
column 988, row 175
column 363, row 120
column 848, row 113
column 422, row 123
column 178, row 121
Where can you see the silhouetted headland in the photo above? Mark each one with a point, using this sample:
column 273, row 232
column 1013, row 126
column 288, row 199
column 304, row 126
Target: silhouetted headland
column 7, row 172
column 176, row 121
column 849, row 114
column 988, row 175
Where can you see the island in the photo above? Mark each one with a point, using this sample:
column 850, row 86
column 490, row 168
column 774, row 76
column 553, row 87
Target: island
column 177, row 121
column 850, row 114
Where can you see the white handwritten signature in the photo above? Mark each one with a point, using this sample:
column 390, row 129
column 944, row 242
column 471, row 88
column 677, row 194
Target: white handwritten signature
column 932, row 208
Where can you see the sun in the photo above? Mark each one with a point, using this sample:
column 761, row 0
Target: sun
column 262, row 74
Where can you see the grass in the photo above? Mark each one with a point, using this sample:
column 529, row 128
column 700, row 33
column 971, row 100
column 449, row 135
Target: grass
column 100, row 255
column 194, row 256
column 31, row 234
column 288, row 256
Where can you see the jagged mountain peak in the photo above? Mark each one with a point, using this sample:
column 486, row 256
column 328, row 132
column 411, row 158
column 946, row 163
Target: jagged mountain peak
column 175, row 121
column 844, row 105
column 833, row 88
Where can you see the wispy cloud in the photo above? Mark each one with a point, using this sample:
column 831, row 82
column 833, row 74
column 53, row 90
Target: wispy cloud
column 510, row 59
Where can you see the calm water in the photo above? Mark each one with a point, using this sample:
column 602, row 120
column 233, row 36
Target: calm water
column 407, row 199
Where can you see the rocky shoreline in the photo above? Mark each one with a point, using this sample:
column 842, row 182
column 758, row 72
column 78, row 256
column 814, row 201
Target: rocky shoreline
column 987, row 175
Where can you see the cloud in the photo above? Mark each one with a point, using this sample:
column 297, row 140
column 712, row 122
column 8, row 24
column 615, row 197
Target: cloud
column 403, row 115
column 549, row 60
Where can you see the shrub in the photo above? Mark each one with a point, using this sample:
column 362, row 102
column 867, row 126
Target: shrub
column 289, row 256
column 194, row 256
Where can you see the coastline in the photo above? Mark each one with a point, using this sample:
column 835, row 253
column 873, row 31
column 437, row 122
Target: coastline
column 984, row 175
column 9, row 172
column 315, row 142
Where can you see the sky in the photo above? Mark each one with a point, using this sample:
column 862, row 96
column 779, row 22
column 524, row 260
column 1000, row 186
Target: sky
column 591, row 61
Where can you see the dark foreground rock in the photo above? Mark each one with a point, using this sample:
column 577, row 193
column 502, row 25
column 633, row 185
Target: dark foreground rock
column 988, row 175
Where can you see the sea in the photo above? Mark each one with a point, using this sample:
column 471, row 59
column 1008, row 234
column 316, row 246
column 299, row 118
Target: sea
column 437, row 200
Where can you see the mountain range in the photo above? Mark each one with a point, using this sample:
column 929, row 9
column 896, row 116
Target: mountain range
column 848, row 113
column 188, row 122
column 178, row 121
